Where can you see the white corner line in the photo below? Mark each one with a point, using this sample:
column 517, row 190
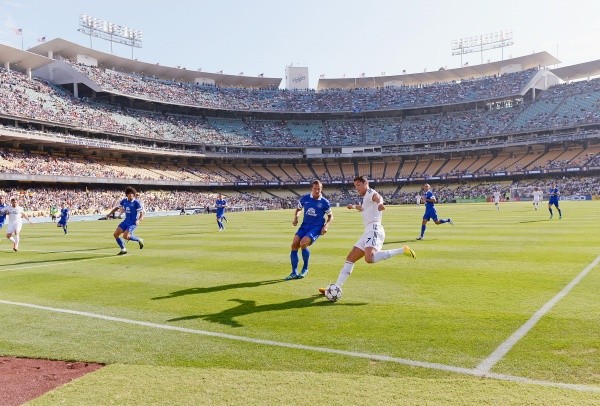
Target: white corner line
column 385, row 358
column 487, row 364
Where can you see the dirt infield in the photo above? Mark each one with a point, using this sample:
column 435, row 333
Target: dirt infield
column 23, row 379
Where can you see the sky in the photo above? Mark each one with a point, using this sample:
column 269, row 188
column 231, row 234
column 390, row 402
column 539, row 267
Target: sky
column 333, row 38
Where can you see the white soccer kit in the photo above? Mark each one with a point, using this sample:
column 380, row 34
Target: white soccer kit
column 15, row 220
column 374, row 234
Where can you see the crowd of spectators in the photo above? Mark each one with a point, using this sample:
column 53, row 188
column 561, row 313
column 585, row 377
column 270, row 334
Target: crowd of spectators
column 87, row 201
column 85, row 167
column 571, row 105
column 388, row 98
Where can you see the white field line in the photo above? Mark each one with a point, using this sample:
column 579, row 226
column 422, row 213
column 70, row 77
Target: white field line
column 386, row 358
column 487, row 364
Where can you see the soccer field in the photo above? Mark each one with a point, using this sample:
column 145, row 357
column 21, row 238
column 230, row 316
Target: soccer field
column 204, row 317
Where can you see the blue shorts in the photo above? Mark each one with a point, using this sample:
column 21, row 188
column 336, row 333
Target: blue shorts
column 220, row 214
column 312, row 232
column 430, row 214
column 553, row 201
column 61, row 223
column 125, row 226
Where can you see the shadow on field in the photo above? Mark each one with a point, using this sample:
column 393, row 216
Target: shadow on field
column 81, row 250
column 398, row 242
column 246, row 307
column 196, row 291
column 533, row 221
column 49, row 261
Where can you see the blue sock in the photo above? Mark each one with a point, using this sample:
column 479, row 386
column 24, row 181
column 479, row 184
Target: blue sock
column 294, row 260
column 65, row 229
column 550, row 211
column 133, row 238
column 120, row 242
column 423, row 226
column 305, row 257
column 220, row 224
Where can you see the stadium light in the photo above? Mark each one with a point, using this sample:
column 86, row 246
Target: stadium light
column 482, row 43
column 95, row 27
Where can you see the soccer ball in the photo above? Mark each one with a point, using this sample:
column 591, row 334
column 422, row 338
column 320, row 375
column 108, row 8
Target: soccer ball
column 333, row 293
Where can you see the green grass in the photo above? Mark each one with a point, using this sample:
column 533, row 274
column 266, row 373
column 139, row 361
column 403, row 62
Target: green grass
column 471, row 287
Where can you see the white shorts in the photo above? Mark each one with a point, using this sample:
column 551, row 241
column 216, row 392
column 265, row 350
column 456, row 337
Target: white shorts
column 14, row 227
column 373, row 236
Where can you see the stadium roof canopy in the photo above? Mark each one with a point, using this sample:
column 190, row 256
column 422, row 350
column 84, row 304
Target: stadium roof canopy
column 540, row 59
column 61, row 48
column 583, row 70
column 21, row 60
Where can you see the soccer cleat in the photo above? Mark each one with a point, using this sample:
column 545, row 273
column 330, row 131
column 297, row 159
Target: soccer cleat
column 122, row 252
column 420, row 237
column 451, row 222
column 221, row 229
column 141, row 242
column 15, row 247
column 303, row 273
column 291, row 276
column 409, row 252
column 322, row 290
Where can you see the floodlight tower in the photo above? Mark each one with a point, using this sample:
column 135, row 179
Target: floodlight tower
column 95, row 27
column 482, row 43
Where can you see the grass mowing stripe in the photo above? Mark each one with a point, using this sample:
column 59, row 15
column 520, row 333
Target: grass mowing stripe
column 403, row 361
column 488, row 363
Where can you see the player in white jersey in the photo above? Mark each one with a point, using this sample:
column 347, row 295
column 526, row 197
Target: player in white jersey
column 15, row 222
column 418, row 198
column 537, row 197
column 497, row 199
column 370, row 243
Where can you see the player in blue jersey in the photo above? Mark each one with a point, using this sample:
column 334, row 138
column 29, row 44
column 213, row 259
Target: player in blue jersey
column 314, row 225
column 134, row 213
column 220, row 204
column 2, row 212
column 553, row 200
column 430, row 212
column 64, row 216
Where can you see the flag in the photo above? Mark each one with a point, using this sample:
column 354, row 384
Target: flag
column 18, row 31
column 42, row 39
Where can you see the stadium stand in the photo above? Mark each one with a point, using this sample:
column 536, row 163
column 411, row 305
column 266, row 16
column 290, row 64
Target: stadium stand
column 161, row 133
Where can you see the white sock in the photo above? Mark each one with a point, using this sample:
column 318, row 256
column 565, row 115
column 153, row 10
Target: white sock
column 17, row 239
column 387, row 254
column 344, row 273
column 12, row 238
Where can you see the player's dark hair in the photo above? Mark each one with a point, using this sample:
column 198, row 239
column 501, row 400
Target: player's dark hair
column 361, row 178
column 130, row 189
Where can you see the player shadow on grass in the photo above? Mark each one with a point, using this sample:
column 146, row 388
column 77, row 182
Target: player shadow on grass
column 81, row 250
column 533, row 221
column 247, row 307
column 218, row 288
column 48, row 261
column 397, row 242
